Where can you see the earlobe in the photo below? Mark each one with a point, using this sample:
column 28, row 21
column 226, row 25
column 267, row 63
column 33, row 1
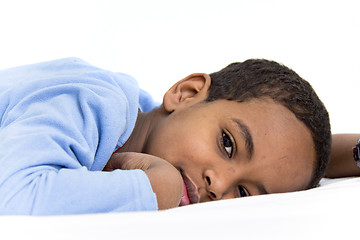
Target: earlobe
column 189, row 90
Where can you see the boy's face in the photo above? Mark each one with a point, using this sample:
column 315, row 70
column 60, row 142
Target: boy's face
column 226, row 149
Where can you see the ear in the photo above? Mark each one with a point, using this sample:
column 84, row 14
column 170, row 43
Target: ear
column 189, row 90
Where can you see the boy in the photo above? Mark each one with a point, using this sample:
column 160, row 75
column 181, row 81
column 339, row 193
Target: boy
column 252, row 128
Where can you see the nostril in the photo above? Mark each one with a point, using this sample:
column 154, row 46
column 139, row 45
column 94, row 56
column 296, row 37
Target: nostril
column 208, row 180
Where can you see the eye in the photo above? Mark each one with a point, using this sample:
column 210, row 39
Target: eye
column 242, row 191
column 227, row 144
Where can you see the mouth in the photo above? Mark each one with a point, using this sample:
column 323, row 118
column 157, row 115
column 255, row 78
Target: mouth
column 190, row 193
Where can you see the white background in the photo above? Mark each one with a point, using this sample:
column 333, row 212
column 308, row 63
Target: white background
column 161, row 41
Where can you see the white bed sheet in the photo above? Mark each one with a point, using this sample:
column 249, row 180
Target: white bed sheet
column 330, row 211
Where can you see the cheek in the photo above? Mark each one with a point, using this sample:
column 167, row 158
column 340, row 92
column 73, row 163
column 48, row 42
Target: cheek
column 182, row 141
column 189, row 149
column 166, row 142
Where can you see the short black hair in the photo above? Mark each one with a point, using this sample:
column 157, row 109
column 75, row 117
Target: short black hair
column 258, row 78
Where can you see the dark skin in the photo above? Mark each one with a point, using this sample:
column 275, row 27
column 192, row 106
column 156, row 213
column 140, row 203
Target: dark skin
column 165, row 180
column 217, row 150
column 342, row 163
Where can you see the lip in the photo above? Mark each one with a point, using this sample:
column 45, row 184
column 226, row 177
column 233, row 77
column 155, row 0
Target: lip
column 191, row 189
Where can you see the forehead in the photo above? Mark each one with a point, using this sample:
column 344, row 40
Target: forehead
column 284, row 152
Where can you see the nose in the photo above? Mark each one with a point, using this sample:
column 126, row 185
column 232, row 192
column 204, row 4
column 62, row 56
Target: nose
column 218, row 185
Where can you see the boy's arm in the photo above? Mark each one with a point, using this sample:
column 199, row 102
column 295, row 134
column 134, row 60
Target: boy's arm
column 60, row 121
column 165, row 179
column 342, row 163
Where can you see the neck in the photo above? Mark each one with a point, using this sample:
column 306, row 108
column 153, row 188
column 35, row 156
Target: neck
column 145, row 122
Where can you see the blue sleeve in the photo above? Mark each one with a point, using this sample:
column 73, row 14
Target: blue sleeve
column 58, row 129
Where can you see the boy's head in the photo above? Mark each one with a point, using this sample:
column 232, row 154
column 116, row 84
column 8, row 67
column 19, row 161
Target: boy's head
column 262, row 78
column 252, row 128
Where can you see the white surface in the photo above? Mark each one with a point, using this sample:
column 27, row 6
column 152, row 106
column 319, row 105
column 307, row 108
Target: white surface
column 159, row 42
column 328, row 212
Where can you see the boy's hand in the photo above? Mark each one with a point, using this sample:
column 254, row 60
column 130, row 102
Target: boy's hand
column 130, row 160
column 165, row 179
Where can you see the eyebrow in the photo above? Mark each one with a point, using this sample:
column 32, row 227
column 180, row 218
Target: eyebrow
column 246, row 135
column 249, row 145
